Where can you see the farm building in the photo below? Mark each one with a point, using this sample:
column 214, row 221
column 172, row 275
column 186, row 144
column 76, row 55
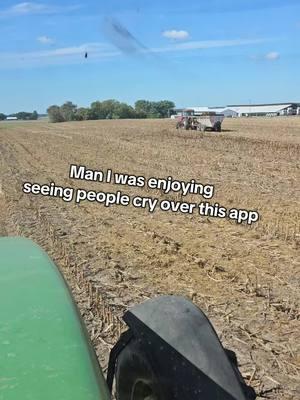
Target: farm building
column 266, row 109
column 198, row 110
column 219, row 110
column 176, row 112
column 11, row 118
column 250, row 110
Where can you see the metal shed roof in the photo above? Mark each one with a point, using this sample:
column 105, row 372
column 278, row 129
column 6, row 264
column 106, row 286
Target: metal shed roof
column 213, row 109
column 256, row 109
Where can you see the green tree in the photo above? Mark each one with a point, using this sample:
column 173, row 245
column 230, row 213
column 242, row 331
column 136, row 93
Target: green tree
column 55, row 114
column 23, row 115
column 106, row 109
column 34, row 115
column 82, row 114
column 123, row 110
column 91, row 114
column 2, row 117
column 140, row 114
column 163, row 107
column 68, row 111
column 97, row 110
column 109, row 108
column 154, row 109
column 143, row 106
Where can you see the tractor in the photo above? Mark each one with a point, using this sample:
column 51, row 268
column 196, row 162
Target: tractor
column 169, row 351
column 202, row 122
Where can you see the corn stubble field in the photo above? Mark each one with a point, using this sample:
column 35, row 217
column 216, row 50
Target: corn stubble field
column 246, row 279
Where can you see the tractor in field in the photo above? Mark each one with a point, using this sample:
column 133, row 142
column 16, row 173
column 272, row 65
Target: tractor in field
column 202, row 122
column 169, row 351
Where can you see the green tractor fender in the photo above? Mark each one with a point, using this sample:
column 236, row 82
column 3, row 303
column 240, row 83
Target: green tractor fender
column 45, row 352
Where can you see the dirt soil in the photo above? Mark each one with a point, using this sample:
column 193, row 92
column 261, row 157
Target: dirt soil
column 246, row 279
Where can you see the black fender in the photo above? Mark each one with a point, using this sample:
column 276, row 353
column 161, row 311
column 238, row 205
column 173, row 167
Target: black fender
column 184, row 351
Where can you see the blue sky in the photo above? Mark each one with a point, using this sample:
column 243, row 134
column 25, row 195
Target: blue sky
column 198, row 53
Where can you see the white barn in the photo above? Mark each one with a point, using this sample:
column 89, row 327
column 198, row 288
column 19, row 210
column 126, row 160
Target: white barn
column 266, row 109
column 250, row 110
column 227, row 111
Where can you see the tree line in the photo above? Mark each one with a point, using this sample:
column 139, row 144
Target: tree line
column 23, row 115
column 110, row 109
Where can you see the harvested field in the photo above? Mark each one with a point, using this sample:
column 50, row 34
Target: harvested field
column 246, row 279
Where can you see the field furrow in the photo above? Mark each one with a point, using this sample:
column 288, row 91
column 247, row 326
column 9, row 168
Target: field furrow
column 246, row 279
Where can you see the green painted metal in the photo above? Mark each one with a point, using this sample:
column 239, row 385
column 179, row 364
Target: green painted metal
column 44, row 349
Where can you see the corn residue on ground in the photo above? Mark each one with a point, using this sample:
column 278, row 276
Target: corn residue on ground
column 245, row 278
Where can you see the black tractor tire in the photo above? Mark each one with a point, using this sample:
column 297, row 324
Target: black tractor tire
column 217, row 127
column 135, row 377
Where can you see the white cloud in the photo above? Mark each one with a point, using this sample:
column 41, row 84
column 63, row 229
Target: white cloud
column 206, row 44
column 45, row 40
column 103, row 51
column 27, row 8
column 32, row 8
column 176, row 35
column 59, row 56
column 272, row 56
